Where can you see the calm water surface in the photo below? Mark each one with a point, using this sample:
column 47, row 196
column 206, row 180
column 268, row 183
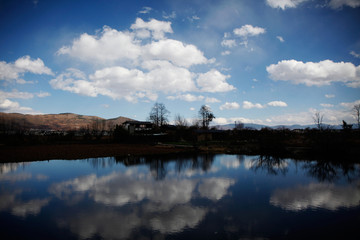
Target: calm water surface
column 188, row 197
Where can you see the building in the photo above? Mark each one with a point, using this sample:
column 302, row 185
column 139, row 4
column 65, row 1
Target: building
column 135, row 127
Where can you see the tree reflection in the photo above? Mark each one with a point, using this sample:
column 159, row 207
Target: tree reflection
column 332, row 171
column 272, row 165
column 158, row 164
column 158, row 169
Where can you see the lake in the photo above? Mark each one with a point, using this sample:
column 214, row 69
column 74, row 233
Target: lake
column 180, row 197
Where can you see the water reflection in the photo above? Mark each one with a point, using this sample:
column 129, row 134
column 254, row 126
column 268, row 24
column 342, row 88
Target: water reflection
column 212, row 196
column 164, row 206
column 272, row 165
column 332, row 171
column 317, row 195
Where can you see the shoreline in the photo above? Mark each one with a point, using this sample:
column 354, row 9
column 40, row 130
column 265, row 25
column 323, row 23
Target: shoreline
column 68, row 151
column 73, row 151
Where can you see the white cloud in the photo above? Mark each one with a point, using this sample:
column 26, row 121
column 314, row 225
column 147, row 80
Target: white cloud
column 187, row 97
column 139, row 68
column 228, row 43
column 129, row 84
column 174, row 51
column 13, row 71
column 281, row 39
column 16, row 94
column 277, row 104
column 225, row 53
column 108, row 46
column 354, row 54
column 169, row 16
column 249, row 30
column 193, row 18
column 145, row 10
column 214, row 81
column 9, row 106
column 349, row 105
column 315, row 74
column 283, row 4
column 249, row 105
column 211, row 100
column 326, row 105
column 157, row 28
column 42, row 94
column 329, row 95
column 192, row 98
column 336, row 4
column 230, row 105
column 223, row 121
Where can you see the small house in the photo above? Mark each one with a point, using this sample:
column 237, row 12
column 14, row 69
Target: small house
column 135, row 127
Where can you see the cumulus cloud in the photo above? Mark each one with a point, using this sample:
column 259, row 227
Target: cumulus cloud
column 9, row 106
column 315, row 73
column 155, row 27
column 107, row 46
column 336, row 4
column 249, row 105
column 136, row 68
column 175, row 52
column 214, row 81
column 12, row 72
column 230, row 105
column 277, row 104
column 248, row 31
column 283, row 4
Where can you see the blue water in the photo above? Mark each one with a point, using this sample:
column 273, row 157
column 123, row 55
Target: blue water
column 180, row 197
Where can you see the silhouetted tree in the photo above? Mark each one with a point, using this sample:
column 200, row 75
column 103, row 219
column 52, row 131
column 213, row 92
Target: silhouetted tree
column 206, row 116
column 180, row 121
column 239, row 125
column 318, row 118
column 159, row 115
column 356, row 109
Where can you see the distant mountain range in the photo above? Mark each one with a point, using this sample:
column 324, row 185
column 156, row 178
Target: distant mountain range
column 62, row 121
column 71, row 121
column 291, row 127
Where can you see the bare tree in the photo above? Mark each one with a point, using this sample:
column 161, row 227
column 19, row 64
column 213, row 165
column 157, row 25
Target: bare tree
column 180, row 121
column 159, row 115
column 318, row 118
column 239, row 125
column 206, row 116
column 356, row 109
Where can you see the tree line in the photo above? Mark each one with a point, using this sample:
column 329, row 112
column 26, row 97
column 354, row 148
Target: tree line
column 159, row 116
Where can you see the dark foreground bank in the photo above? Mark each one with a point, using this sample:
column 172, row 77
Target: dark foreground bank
column 81, row 151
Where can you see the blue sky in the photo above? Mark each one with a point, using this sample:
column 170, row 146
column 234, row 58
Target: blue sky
column 265, row 61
